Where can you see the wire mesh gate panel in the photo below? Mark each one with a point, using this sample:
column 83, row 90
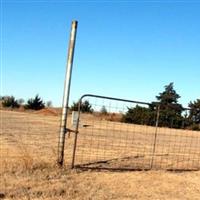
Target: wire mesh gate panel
column 104, row 141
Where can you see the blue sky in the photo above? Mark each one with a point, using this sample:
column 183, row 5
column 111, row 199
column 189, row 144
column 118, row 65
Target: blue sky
column 123, row 49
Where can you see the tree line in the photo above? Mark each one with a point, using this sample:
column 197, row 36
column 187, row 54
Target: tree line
column 35, row 103
column 171, row 113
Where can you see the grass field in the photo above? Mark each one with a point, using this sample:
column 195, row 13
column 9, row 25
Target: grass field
column 29, row 149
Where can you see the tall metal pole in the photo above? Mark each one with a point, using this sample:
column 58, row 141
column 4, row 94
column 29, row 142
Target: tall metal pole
column 63, row 124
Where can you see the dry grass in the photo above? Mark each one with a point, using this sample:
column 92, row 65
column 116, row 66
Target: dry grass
column 28, row 171
column 48, row 182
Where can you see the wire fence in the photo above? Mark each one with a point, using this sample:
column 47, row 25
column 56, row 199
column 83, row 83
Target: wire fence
column 108, row 139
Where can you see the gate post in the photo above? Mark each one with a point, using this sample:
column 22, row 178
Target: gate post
column 63, row 123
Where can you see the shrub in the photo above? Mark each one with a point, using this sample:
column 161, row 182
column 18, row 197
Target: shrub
column 195, row 127
column 10, row 101
column 35, row 103
column 86, row 107
column 138, row 115
column 74, row 106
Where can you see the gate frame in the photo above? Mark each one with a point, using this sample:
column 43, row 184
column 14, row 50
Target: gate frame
column 109, row 98
column 157, row 115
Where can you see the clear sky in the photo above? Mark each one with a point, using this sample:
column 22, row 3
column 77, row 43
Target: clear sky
column 125, row 49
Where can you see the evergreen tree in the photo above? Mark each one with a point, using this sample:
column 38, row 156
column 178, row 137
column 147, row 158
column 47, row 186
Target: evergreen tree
column 10, row 101
column 138, row 115
column 170, row 109
column 74, row 106
column 194, row 115
column 169, row 95
column 86, row 107
column 35, row 103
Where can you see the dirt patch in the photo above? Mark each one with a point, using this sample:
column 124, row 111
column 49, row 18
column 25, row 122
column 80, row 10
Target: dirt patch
column 47, row 112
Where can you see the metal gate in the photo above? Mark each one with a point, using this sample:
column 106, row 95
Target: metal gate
column 119, row 134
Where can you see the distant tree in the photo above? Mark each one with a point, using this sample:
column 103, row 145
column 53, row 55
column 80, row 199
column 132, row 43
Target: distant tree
column 138, row 115
column 86, row 107
column 169, row 95
column 103, row 110
column 49, row 103
column 74, row 106
column 194, row 114
column 4, row 97
column 170, row 109
column 35, row 103
column 10, row 101
column 170, row 114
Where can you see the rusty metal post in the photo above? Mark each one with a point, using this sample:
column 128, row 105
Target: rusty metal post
column 63, row 124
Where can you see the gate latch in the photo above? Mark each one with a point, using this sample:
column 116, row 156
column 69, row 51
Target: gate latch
column 69, row 131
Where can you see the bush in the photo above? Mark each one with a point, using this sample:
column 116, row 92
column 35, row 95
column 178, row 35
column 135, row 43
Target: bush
column 10, row 102
column 195, row 127
column 138, row 115
column 86, row 107
column 74, row 106
column 35, row 103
